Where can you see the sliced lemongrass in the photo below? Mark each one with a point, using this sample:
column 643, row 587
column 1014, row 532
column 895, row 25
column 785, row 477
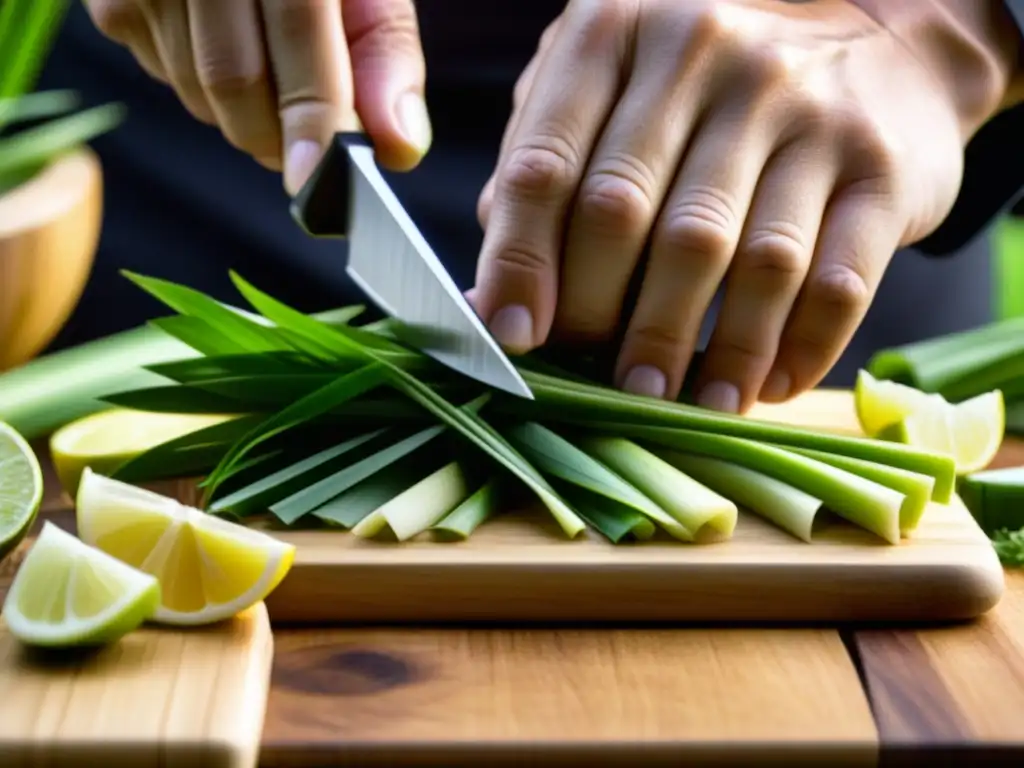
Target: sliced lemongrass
column 351, row 506
column 482, row 505
column 916, row 488
column 419, row 507
column 555, row 455
column 995, row 497
column 863, row 502
column 699, row 509
column 615, row 413
column 790, row 508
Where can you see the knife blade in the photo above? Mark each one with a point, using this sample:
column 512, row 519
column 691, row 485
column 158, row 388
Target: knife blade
column 390, row 260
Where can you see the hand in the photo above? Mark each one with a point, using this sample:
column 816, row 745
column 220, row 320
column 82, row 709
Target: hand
column 783, row 149
column 280, row 77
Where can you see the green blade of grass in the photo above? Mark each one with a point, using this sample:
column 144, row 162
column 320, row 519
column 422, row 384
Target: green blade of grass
column 213, row 367
column 258, row 496
column 175, row 398
column 36, row 106
column 615, row 412
column 198, row 335
column 469, row 425
column 27, row 31
column 33, row 148
column 554, row 455
column 789, row 508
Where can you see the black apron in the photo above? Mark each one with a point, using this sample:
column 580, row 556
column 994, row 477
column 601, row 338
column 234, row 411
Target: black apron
column 184, row 205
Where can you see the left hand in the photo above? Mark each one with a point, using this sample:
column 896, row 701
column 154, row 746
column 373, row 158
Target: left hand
column 784, row 149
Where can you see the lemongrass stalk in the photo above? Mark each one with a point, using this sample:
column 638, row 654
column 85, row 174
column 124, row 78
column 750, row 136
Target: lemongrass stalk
column 482, row 505
column 959, row 365
column 866, row 503
column 419, row 507
column 995, row 497
column 614, row 413
column 698, row 508
column 917, row 488
column 789, row 508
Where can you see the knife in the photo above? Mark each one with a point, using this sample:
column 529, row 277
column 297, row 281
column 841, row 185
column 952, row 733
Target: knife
column 390, row 260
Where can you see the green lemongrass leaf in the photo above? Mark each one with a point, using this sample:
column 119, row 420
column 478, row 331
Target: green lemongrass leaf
column 37, row 106
column 349, row 507
column 27, row 31
column 699, row 509
column 995, row 497
column 1015, row 418
column 32, row 148
column 188, row 455
column 468, row 424
column 197, row 334
column 315, row 404
column 863, row 502
column 1009, row 545
column 916, row 488
column 792, row 509
column 213, row 367
column 554, row 455
column 260, row 392
column 483, row 504
column 289, row 509
column 175, row 398
column 958, row 365
column 291, row 479
column 416, row 509
column 614, row 413
column 232, row 325
column 612, row 520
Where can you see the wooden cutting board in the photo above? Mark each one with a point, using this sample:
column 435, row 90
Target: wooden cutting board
column 519, row 567
column 157, row 699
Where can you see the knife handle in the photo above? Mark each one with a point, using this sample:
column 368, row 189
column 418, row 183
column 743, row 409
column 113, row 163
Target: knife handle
column 323, row 206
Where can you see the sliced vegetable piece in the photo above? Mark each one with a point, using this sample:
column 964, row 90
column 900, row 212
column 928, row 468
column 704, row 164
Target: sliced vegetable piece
column 995, row 497
column 483, row 504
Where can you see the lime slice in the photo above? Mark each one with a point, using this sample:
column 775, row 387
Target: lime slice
column 21, row 488
column 68, row 594
column 880, row 403
column 209, row 569
column 106, row 440
column 971, row 432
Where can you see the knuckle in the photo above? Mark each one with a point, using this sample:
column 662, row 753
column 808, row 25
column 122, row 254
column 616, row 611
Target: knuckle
column 226, row 79
column 542, row 170
column 296, row 20
column 521, row 258
column 702, row 224
column 743, row 352
column 840, row 290
column 115, row 18
column 874, row 150
column 615, row 203
column 661, row 339
column 395, row 30
column 779, row 250
column 601, row 23
column 710, row 27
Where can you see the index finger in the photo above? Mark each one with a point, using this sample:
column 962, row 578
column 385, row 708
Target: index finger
column 571, row 96
column 313, row 77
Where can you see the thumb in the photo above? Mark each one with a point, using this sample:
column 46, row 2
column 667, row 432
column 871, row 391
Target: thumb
column 389, row 74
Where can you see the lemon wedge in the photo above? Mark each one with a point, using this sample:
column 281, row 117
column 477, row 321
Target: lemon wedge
column 880, row 403
column 106, row 440
column 209, row 569
column 68, row 594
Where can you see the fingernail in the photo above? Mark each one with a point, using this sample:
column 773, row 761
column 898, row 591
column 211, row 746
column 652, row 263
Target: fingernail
column 415, row 121
column 645, row 380
column 720, row 396
column 301, row 159
column 776, row 386
column 512, row 326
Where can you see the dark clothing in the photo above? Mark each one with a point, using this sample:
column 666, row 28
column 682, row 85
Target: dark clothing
column 184, row 205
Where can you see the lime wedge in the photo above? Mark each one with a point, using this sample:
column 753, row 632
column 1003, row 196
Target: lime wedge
column 106, row 440
column 971, row 432
column 68, row 594
column 21, row 488
column 881, row 404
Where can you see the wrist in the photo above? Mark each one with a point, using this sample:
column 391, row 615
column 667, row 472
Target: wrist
column 973, row 48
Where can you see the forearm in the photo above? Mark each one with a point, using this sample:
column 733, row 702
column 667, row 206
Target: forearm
column 971, row 47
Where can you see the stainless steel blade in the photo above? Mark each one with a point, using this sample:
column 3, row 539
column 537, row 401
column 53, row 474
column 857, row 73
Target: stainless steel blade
column 393, row 263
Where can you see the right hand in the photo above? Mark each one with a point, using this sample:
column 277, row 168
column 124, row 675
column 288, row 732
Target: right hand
column 280, row 77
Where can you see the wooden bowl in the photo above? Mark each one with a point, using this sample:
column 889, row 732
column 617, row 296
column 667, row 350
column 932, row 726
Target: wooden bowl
column 49, row 231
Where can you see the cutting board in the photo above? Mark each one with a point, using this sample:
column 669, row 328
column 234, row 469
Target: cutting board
column 157, row 699
column 519, row 567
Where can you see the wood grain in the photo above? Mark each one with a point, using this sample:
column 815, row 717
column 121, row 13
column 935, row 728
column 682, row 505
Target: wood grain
column 160, row 698
column 520, row 567
column 948, row 689
column 582, row 697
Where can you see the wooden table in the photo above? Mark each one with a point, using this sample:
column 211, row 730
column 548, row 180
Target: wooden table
column 647, row 696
